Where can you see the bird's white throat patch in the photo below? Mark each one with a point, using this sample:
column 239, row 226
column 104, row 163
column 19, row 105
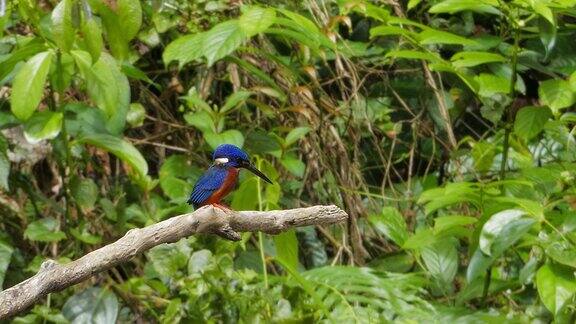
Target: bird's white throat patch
column 221, row 160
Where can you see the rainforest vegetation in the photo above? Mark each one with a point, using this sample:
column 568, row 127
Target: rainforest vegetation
column 444, row 128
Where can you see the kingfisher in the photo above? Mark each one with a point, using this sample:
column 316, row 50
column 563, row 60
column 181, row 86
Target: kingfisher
column 222, row 176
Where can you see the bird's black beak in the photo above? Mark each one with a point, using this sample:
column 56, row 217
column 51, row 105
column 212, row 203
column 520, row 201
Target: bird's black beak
column 249, row 166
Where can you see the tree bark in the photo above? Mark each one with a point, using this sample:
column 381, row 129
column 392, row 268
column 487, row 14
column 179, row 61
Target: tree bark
column 54, row 277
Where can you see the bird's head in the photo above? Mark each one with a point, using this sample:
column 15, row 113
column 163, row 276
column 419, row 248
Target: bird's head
column 233, row 156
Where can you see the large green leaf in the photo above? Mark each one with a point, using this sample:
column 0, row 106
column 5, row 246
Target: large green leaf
column 441, row 260
column 391, row 224
column 495, row 226
column 454, row 6
column 256, row 20
column 469, row 59
column 171, row 173
column 184, row 49
column 556, row 94
column 222, row 40
column 234, row 100
column 296, row 134
column 498, row 240
column 562, row 252
column 92, row 33
column 294, row 165
column 199, row 261
column 93, row 305
column 431, row 36
column 530, row 121
column 231, row 136
column 62, row 28
column 44, row 230
column 119, row 147
column 287, row 248
column 28, row 85
column 556, row 286
column 130, row 17
column 43, row 125
column 107, row 86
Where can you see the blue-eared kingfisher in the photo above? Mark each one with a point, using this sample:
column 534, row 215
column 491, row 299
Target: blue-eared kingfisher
column 222, row 175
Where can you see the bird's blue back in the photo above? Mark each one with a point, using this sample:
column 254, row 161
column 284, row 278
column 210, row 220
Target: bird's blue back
column 208, row 183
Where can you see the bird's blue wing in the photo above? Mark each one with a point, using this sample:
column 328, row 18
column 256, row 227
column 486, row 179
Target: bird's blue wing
column 208, row 183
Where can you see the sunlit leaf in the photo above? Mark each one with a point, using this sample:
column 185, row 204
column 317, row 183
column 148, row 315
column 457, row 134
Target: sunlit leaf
column 44, row 230
column 231, row 136
column 43, row 125
column 391, row 224
column 256, row 20
column 119, row 147
column 296, row 134
column 62, row 28
column 28, row 85
column 556, row 94
column 556, row 286
column 129, row 16
column 530, row 121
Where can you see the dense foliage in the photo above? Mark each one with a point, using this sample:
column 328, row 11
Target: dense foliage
column 444, row 128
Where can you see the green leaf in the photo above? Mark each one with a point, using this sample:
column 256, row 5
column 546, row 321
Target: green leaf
column 441, row 260
column 5, row 257
column 231, row 136
column 556, row 94
column 469, row 59
column 28, row 85
column 92, row 33
column 483, row 154
column 93, row 305
column 85, row 192
column 287, row 248
column 409, row 54
column 491, row 84
column 235, row 99
column 85, row 236
column 199, row 261
column 256, row 20
column 413, row 3
column 184, row 49
column 296, row 134
column 556, row 286
column 62, row 28
column 201, row 120
column 130, row 17
column 454, row 6
column 542, row 9
column 391, row 224
column 562, row 252
column 136, row 115
column 43, row 125
column 494, row 227
column 530, row 121
column 125, row 151
column 420, row 240
column 431, row 36
column 445, row 223
column 222, row 40
column 294, row 165
column 44, row 230
column 391, row 30
column 507, row 236
column 547, row 32
column 107, row 86
column 246, row 197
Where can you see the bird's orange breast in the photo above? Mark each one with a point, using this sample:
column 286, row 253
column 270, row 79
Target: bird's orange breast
column 227, row 186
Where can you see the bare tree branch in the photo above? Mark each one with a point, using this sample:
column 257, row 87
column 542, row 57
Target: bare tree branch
column 54, row 277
